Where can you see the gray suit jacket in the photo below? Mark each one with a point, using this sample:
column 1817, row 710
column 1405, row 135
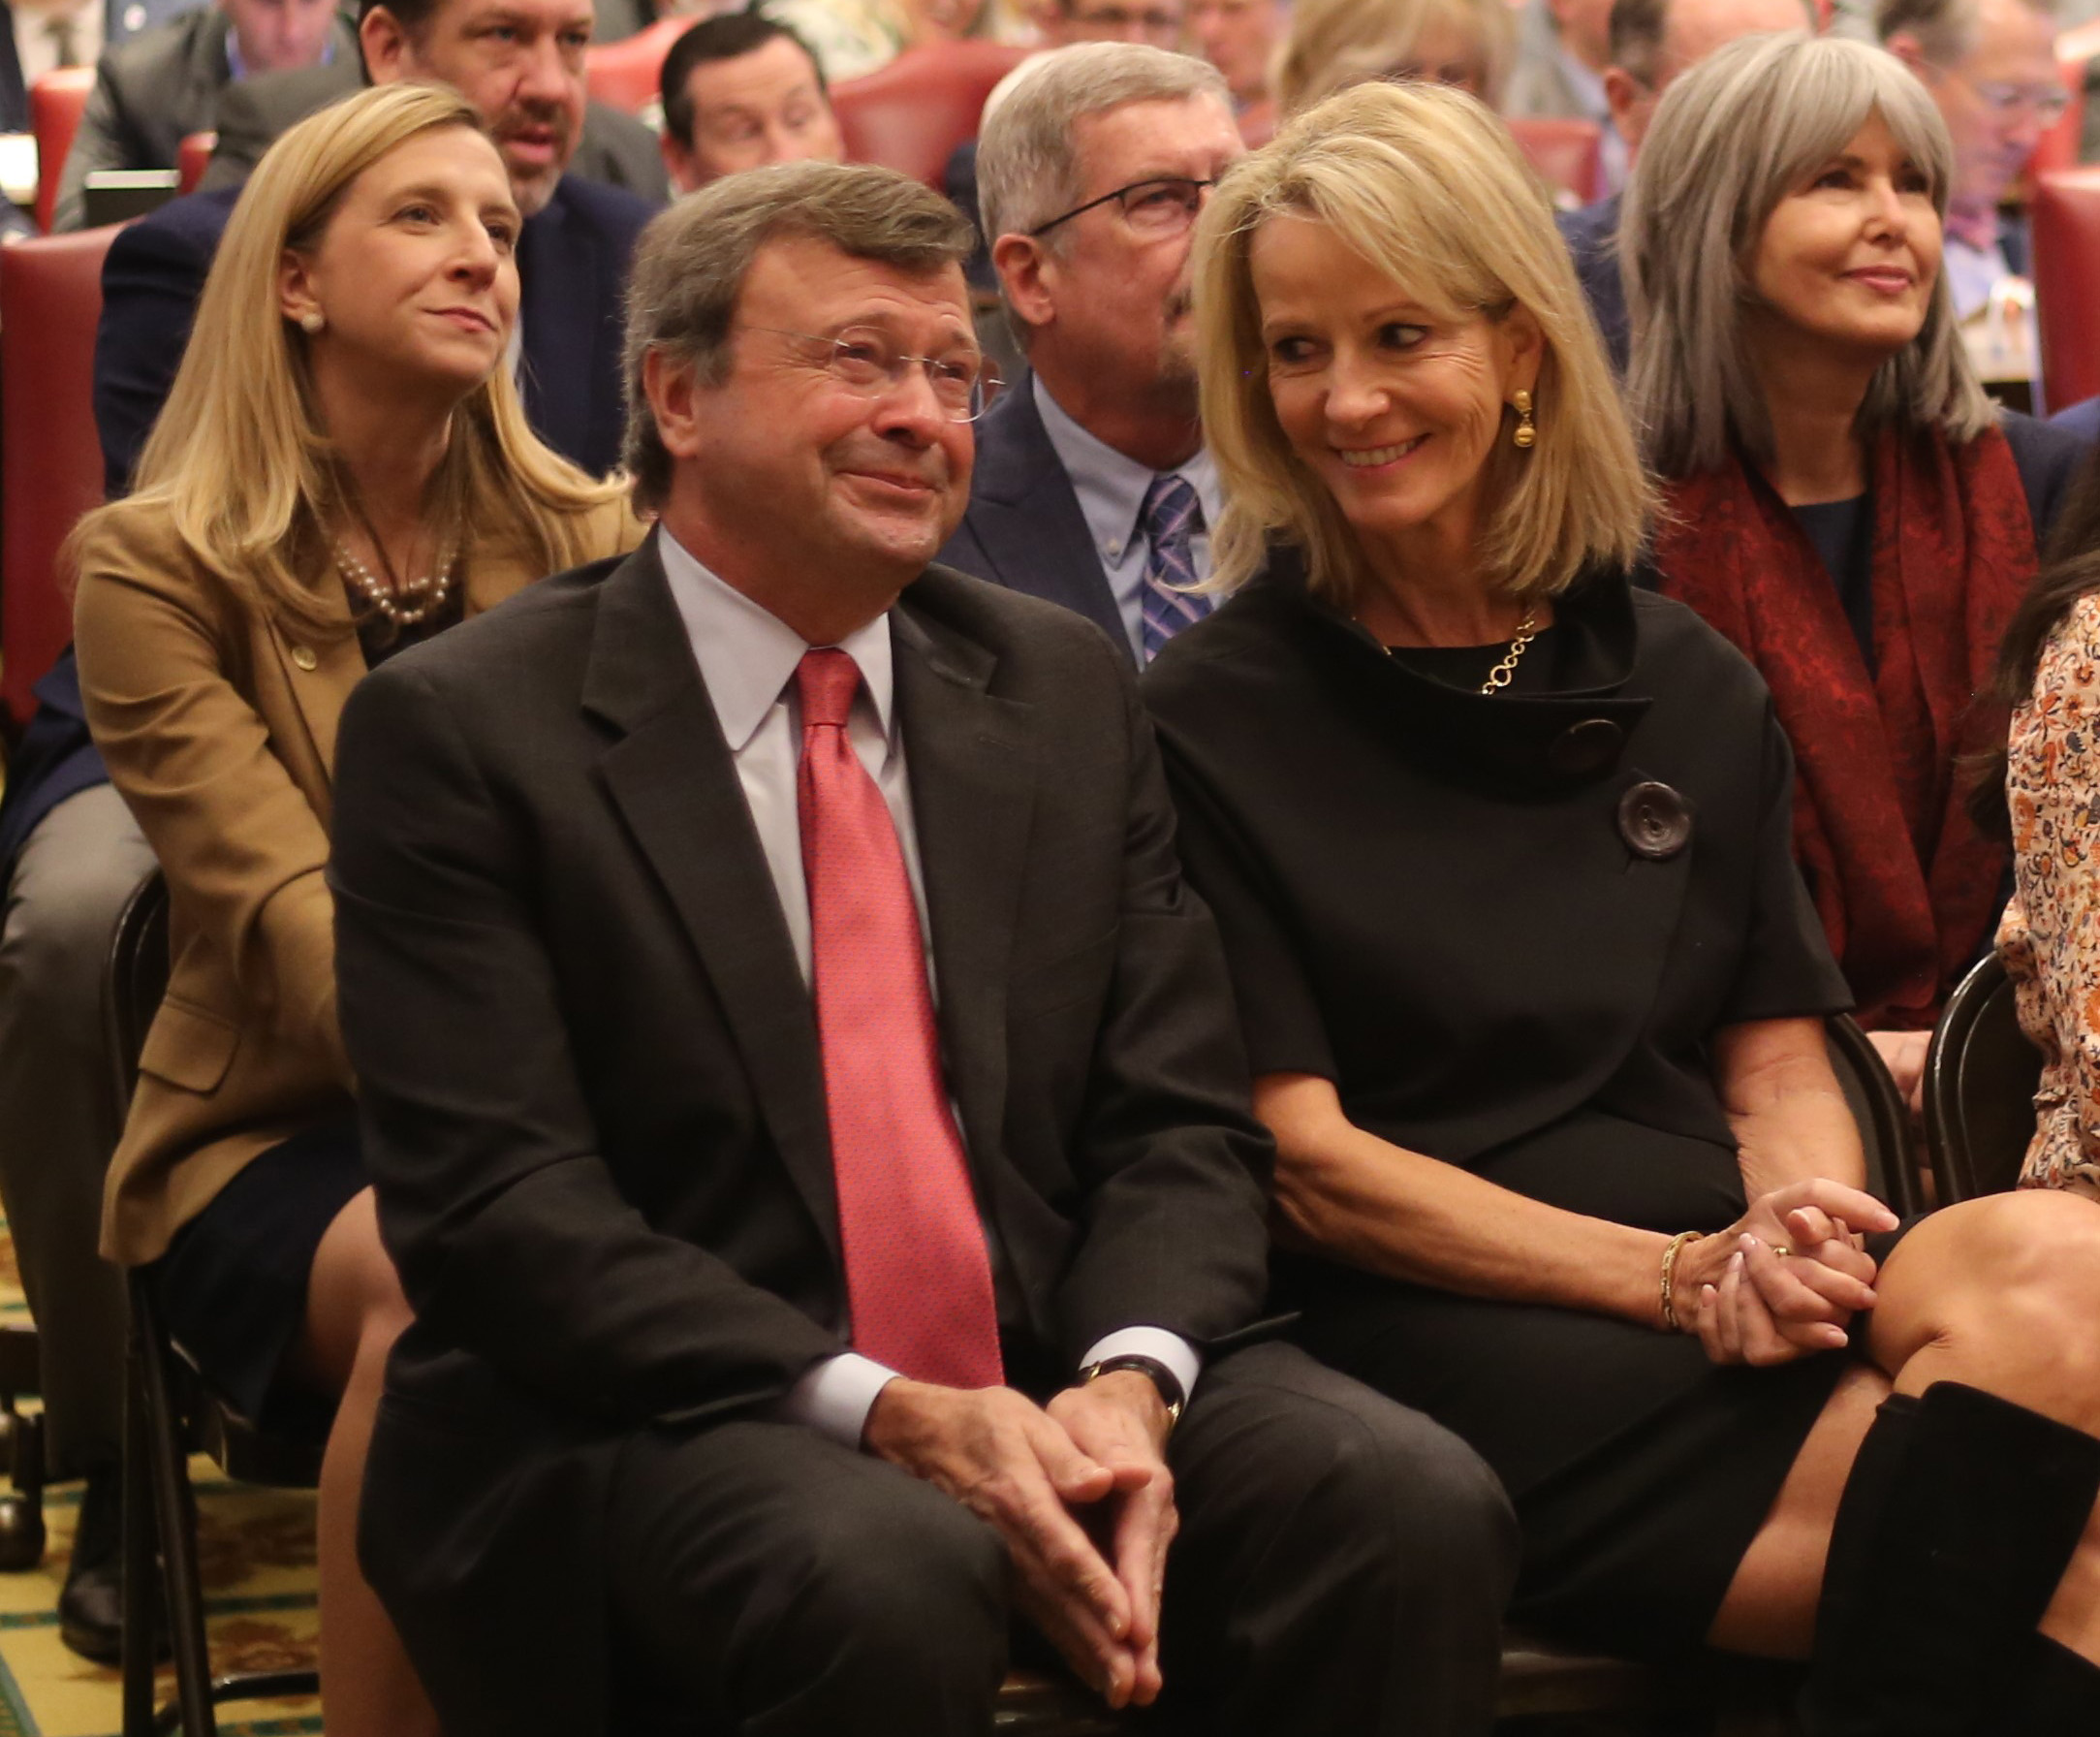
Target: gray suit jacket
column 616, row 148
column 153, row 92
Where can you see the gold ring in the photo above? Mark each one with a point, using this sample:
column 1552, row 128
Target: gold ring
column 1781, row 1251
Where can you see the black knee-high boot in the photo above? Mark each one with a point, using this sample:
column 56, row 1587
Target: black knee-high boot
column 1961, row 1514
column 2054, row 1694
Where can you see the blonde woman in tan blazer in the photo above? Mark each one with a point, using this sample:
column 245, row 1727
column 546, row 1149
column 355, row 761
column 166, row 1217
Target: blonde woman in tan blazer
column 343, row 467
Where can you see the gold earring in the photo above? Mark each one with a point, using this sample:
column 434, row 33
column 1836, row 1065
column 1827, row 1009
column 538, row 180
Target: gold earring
column 313, row 320
column 1526, row 436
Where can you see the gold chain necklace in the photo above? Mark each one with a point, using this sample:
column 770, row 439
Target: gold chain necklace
column 1505, row 672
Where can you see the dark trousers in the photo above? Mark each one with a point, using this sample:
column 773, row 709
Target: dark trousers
column 1341, row 1569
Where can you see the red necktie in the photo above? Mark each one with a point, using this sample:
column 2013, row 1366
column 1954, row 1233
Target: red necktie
column 916, row 1272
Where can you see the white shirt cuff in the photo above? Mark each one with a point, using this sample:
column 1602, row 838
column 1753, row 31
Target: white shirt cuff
column 836, row 1396
column 1155, row 1342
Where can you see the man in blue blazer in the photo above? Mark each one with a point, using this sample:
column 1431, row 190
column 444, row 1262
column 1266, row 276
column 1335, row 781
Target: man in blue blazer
column 70, row 852
column 1092, row 488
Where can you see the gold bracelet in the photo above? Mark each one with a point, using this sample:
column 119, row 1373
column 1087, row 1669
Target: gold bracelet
column 1671, row 1323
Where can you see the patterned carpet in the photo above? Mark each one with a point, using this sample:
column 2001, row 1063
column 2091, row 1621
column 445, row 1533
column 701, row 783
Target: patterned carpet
column 256, row 1551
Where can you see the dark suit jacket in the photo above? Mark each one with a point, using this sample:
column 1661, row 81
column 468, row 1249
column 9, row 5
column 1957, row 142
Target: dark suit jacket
column 1025, row 529
column 1592, row 237
column 592, row 1091
column 616, row 148
column 151, row 93
column 2082, row 421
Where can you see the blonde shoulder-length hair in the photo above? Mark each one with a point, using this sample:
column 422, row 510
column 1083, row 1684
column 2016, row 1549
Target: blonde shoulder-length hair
column 1331, row 44
column 239, row 464
column 1731, row 139
column 1427, row 184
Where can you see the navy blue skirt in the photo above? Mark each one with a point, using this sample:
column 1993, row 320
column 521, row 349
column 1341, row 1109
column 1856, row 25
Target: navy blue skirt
column 233, row 1284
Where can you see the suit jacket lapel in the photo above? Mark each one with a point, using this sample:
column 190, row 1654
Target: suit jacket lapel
column 672, row 778
column 1027, row 520
column 557, row 264
column 974, row 764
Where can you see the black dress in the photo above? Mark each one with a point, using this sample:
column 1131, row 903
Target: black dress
column 1506, row 928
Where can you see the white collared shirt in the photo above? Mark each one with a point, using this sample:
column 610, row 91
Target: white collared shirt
column 748, row 660
column 1112, row 489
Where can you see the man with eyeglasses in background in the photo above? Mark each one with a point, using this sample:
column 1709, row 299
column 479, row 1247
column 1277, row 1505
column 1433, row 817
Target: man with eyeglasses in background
column 1093, row 486
column 1990, row 66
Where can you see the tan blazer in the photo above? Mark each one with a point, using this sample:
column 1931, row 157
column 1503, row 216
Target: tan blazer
column 216, row 715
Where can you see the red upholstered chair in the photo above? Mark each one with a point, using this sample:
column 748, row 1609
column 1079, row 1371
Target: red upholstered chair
column 625, row 73
column 911, row 115
column 50, row 462
column 1567, row 154
column 2066, row 219
column 56, row 104
column 192, row 156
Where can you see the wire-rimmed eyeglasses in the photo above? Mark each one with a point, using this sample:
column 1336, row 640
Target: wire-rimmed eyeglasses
column 867, row 360
column 1164, row 205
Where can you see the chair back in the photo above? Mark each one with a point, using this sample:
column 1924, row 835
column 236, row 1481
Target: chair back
column 911, row 115
column 51, row 458
column 1566, row 153
column 627, row 75
column 1877, row 1107
column 2066, row 223
column 1980, row 1079
column 135, row 978
column 56, row 103
column 193, row 156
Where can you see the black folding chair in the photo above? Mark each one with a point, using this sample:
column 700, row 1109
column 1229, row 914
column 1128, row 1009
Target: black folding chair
column 1980, row 1078
column 168, row 1412
column 1878, row 1108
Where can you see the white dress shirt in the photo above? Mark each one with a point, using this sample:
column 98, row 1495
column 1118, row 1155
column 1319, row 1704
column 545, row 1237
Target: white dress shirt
column 747, row 659
column 1112, row 490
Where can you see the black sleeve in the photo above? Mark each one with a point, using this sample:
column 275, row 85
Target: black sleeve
column 1787, row 969
column 150, row 282
column 513, row 1239
column 1177, row 1169
column 1279, row 1013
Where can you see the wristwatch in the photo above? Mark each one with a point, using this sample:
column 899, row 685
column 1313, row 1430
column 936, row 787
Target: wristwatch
column 1163, row 1379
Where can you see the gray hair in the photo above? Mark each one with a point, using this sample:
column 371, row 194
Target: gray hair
column 1027, row 167
column 1945, row 29
column 1731, row 139
column 691, row 262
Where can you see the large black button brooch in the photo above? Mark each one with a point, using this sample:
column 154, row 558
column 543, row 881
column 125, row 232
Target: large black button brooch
column 1583, row 750
column 1654, row 820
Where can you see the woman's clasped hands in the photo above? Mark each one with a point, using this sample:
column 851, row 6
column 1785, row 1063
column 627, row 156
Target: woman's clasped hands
column 1786, row 1279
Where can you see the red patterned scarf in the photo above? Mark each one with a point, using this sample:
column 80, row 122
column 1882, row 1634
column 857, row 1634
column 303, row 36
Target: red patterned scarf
column 1905, row 883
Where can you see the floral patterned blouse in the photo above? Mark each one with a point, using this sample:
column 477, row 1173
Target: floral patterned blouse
column 2050, row 939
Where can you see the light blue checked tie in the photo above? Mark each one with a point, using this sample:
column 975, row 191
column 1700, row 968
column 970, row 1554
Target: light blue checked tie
column 1169, row 519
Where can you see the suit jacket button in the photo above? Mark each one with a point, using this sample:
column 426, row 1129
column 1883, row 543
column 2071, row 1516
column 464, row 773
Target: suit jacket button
column 1585, row 749
column 304, row 657
column 1654, row 820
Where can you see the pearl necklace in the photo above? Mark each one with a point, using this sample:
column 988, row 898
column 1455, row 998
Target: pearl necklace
column 406, row 606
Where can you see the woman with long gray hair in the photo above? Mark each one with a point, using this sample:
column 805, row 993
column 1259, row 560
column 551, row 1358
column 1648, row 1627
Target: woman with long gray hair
column 1840, row 499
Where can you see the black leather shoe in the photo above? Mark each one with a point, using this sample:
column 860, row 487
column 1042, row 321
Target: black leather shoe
column 91, row 1608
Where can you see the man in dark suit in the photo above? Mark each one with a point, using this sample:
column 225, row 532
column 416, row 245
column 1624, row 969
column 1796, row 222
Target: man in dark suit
column 1653, row 42
column 806, row 1110
column 1093, row 488
column 611, row 147
column 69, row 851
column 153, row 92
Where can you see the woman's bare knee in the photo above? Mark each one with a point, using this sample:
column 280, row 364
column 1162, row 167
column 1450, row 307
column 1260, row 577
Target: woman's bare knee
column 2002, row 1293
column 354, row 1305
